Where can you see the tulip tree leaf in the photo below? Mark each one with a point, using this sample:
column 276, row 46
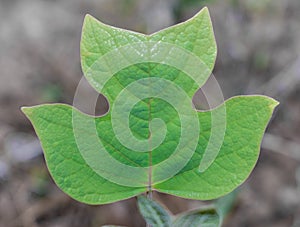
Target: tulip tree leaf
column 151, row 138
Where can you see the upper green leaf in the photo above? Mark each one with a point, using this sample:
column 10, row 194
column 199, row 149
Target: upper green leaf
column 151, row 136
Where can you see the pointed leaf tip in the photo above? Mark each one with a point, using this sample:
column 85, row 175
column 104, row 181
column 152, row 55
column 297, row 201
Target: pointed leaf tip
column 90, row 17
column 274, row 103
column 203, row 11
column 26, row 110
column 87, row 19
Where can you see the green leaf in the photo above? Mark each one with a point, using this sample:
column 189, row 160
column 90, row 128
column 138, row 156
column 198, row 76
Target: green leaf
column 202, row 217
column 153, row 213
column 151, row 137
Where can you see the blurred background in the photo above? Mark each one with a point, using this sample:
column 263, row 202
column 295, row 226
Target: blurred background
column 258, row 53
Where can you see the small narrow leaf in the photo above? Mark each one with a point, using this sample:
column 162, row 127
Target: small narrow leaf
column 225, row 204
column 153, row 213
column 202, row 217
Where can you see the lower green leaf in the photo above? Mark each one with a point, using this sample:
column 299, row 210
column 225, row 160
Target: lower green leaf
column 202, row 217
column 153, row 213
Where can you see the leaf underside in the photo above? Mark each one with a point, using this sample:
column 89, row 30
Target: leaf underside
column 158, row 216
column 153, row 213
column 246, row 120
